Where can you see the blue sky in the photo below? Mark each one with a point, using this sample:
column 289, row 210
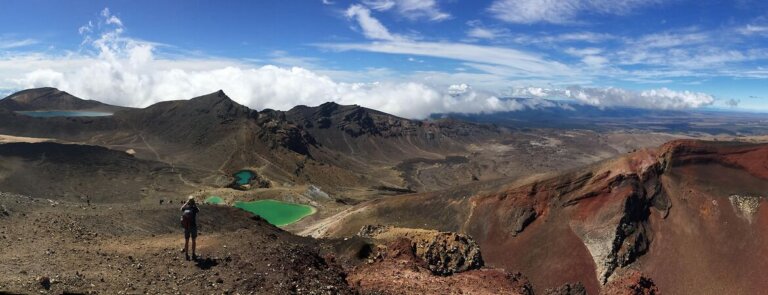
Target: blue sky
column 402, row 56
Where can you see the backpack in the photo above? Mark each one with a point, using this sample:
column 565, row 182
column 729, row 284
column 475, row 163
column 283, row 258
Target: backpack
column 186, row 218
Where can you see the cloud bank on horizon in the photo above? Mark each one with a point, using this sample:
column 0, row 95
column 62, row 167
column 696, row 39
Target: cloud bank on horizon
column 120, row 69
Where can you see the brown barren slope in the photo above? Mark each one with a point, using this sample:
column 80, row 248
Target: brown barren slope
column 689, row 215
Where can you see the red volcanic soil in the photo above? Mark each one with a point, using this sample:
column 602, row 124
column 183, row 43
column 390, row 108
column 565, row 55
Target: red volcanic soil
column 665, row 212
column 689, row 215
column 396, row 270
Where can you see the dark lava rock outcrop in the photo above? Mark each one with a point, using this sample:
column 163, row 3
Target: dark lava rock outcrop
column 444, row 253
column 567, row 289
column 633, row 283
column 395, row 268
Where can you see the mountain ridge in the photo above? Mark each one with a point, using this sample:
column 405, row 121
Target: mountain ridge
column 52, row 99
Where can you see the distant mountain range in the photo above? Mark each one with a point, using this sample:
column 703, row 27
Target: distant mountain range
column 543, row 113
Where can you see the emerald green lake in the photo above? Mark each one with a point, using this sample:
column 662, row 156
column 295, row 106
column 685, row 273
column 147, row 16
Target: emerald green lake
column 214, row 200
column 276, row 212
column 48, row 114
column 244, row 177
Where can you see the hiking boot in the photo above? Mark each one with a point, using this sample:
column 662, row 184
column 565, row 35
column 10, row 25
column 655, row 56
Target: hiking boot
column 186, row 256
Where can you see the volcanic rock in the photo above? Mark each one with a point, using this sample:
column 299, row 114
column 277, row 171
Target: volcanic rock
column 567, row 289
column 633, row 283
column 444, row 253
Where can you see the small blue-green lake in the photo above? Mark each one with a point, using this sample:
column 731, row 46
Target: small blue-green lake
column 49, row 114
column 214, row 200
column 244, row 177
column 276, row 212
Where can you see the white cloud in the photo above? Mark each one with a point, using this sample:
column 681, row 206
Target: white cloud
column 411, row 9
column 125, row 71
column 582, row 52
column 526, row 64
column 458, row 89
column 481, row 33
column 750, row 29
column 478, row 31
column 594, row 61
column 11, row 43
column 85, row 29
column 257, row 87
column 534, row 11
column 573, row 37
column 281, row 57
column 372, row 28
column 560, row 11
column 671, row 39
column 708, row 57
column 380, row 5
column 661, row 98
column 110, row 19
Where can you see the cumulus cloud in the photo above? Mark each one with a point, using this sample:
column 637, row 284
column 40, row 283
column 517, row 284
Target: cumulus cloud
column 662, row 98
column 117, row 69
column 124, row 71
column 458, row 89
column 559, row 11
column 411, row 9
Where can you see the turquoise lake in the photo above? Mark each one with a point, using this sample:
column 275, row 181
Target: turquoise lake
column 276, row 212
column 244, row 177
column 214, row 200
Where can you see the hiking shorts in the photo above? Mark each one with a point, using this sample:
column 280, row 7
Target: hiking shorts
column 192, row 231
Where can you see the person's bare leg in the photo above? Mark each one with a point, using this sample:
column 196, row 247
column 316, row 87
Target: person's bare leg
column 194, row 244
column 186, row 245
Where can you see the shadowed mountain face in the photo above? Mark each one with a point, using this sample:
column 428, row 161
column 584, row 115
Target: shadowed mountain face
column 348, row 150
column 52, row 99
column 329, row 145
column 681, row 214
column 82, row 172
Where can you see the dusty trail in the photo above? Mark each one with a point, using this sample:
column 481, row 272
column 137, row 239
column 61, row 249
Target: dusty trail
column 320, row 228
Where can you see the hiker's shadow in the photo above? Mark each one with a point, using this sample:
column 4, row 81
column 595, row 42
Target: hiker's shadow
column 206, row 263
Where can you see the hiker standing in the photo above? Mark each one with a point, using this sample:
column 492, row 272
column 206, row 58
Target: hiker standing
column 189, row 222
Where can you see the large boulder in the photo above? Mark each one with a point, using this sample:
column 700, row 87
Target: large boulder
column 444, row 253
